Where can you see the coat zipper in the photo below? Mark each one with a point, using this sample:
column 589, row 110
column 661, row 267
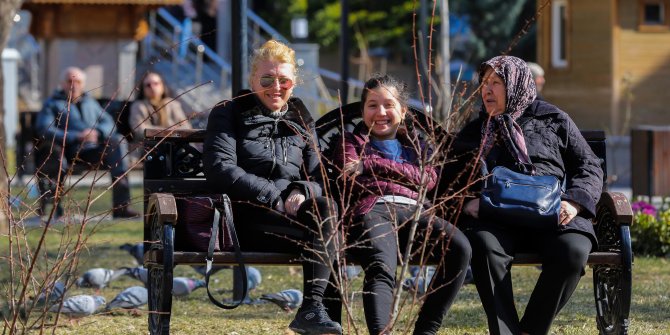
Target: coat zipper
column 272, row 145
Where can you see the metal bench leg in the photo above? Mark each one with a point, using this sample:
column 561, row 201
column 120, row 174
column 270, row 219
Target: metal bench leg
column 612, row 284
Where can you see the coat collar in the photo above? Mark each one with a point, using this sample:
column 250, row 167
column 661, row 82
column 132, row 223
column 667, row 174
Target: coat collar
column 297, row 112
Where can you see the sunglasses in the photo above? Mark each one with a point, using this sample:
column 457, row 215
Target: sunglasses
column 153, row 83
column 269, row 81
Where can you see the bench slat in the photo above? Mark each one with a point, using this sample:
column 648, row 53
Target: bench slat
column 176, row 186
column 275, row 258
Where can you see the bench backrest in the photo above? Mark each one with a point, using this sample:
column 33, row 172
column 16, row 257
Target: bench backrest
column 174, row 165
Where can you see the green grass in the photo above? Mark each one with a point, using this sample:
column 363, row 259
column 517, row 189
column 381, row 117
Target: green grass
column 196, row 315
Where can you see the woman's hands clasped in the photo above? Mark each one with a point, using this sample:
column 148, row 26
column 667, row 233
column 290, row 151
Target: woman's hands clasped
column 293, row 202
column 472, row 208
column 567, row 212
column 353, row 168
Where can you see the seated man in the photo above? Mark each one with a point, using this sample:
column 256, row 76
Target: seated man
column 73, row 118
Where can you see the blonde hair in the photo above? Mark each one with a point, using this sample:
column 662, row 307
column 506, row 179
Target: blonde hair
column 274, row 50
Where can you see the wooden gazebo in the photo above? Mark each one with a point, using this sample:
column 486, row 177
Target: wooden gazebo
column 99, row 36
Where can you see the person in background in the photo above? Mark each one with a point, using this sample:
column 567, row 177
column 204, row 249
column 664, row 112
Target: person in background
column 261, row 150
column 538, row 76
column 513, row 130
column 71, row 116
column 382, row 178
column 155, row 108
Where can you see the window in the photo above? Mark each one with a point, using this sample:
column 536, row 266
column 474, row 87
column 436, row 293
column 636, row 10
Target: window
column 559, row 29
column 653, row 15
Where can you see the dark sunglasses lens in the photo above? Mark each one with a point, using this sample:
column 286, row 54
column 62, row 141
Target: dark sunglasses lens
column 267, row 81
column 285, row 82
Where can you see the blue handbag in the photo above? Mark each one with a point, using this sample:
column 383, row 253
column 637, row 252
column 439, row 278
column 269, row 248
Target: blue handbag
column 520, row 200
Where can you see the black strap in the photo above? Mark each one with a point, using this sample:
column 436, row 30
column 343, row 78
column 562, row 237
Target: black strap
column 225, row 207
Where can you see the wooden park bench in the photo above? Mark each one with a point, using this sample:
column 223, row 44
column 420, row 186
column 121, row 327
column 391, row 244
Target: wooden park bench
column 173, row 168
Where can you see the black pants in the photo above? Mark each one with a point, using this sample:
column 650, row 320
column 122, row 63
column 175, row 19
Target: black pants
column 310, row 235
column 564, row 255
column 110, row 154
column 378, row 234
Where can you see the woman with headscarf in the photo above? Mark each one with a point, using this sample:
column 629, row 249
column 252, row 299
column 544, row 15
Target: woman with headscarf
column 516, row 130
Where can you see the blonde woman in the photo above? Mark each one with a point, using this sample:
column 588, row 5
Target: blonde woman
column 260, row 150
column 154, row 108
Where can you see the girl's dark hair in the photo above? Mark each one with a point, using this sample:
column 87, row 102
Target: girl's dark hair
column 166, row 90
column 385, row 80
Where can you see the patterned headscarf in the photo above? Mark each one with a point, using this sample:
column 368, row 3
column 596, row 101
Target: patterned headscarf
column 520, row 92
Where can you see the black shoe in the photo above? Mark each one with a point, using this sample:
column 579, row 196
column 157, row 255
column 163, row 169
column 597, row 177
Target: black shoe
column 124, row 213
column 313, row 319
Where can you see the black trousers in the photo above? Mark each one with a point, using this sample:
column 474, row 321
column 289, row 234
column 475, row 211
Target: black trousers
column 110, row 154
column 378, row 234
column 564, row 255
column 310, row 234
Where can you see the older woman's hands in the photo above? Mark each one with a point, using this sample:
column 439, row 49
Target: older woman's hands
column 568, row 212
column 293, row 202
column 472, row 208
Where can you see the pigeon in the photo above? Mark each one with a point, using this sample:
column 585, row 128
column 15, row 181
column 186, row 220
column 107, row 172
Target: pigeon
column 417, row 281
column 253, row 278
column 130, row 298
column 50, row 294
column 79, row 306
column 136, row 250
column 352, row 271
column 98, row 278
column 139, row 273
column 182, row 286
column 287, row 300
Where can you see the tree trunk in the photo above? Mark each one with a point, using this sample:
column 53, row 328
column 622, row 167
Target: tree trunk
column 8, row 9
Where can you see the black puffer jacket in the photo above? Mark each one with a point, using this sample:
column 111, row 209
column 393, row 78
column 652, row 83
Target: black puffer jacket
column 555, row 146
column 254, row 157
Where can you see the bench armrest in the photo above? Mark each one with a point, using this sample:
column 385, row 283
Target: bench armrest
column 613, row 219
column 618, row 206
column 163, row 207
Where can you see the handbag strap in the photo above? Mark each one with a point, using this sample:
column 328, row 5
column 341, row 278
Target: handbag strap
column 225, row 207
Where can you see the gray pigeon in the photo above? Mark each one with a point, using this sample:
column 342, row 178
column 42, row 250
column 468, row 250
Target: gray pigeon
column 352, row 271
column 139, row 273
column 253, row 278
column 417, row 282
column 287, row 300
column 51, row 294
column 130, row 298
column 98, row 278
column 136, row 250
column 182, row 286
column 79, row 306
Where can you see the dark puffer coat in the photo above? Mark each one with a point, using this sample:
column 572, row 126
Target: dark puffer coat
column 257, row 158
column 556, row 147
column 381, row 176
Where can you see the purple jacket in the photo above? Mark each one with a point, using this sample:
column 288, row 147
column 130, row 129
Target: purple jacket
column 381, row 176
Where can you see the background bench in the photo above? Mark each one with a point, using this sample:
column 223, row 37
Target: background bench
column 27, row 138
column 173, row 168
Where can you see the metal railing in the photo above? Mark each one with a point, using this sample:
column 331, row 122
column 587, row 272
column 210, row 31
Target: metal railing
column 199, row 75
